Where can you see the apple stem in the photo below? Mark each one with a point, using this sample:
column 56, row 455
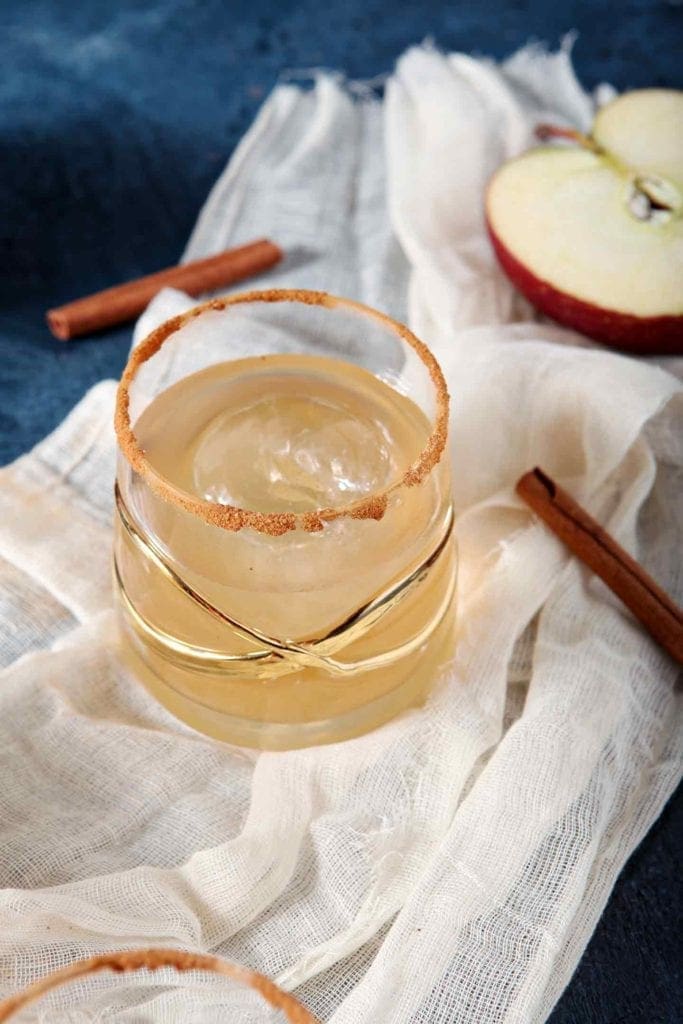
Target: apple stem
column 544, row 132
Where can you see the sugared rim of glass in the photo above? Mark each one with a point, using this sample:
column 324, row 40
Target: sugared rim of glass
column 129, row 960
column 230, row 517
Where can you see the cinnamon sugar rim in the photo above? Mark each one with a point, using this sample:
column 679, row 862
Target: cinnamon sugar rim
column 231, row 517
column 154, row 960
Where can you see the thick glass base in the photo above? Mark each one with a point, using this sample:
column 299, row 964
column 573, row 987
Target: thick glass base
column 205, row 715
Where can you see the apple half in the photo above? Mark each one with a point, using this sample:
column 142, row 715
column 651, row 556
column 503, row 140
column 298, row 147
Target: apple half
column 592, row 233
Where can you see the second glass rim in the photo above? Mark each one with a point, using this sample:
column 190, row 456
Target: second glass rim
column 231, row 517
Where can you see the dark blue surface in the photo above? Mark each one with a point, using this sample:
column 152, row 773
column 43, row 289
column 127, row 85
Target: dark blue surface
column 113, row 127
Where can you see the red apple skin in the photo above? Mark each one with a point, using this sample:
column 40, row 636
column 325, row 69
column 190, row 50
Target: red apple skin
column 647, row 336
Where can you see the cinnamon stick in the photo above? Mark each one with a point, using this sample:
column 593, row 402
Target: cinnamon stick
column 597, row 549
column 126, row 301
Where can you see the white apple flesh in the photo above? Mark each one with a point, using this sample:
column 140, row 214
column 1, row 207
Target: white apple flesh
column 592, row 234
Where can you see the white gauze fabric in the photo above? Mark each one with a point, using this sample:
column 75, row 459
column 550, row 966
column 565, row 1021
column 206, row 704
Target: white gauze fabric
column 451, row 866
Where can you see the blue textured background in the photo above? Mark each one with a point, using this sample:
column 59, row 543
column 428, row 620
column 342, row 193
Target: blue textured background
column 113, row 127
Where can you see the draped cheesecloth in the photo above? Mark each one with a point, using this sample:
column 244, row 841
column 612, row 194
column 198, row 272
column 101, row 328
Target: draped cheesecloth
column 451, row 866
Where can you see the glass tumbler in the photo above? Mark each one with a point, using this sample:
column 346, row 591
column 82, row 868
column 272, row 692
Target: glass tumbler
column 284, row 563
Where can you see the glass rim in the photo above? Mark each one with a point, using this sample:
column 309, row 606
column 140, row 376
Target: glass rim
column 154, row 959
column 232, row 517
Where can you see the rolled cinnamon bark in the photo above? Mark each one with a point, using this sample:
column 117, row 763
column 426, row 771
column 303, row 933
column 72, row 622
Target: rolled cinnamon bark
column 126, row 301
column 599, row 551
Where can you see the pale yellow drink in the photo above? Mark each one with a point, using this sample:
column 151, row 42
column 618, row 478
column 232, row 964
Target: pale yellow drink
column 286, row 433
